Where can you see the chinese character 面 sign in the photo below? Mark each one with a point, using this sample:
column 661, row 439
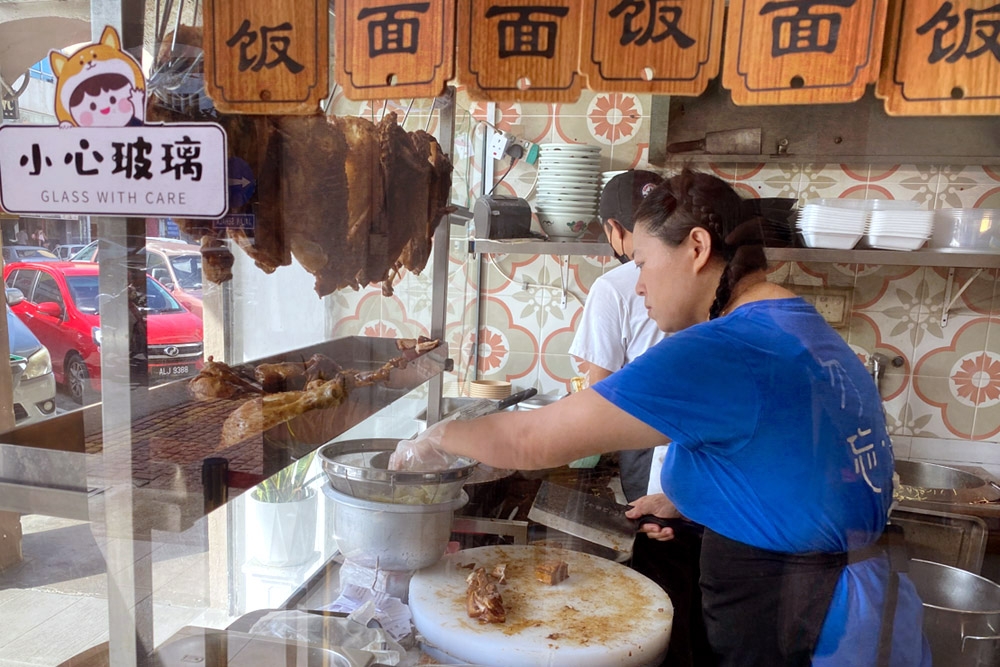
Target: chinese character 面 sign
column 942, row 58
column 154, row 170
column 267, row 56
column 392, row 49
column 802, row 51
column 670, row 47
column 520, row 49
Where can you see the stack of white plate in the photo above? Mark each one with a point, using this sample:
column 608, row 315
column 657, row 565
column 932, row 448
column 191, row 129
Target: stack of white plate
column 567, row 188
column 890, row 229
column 825, row 226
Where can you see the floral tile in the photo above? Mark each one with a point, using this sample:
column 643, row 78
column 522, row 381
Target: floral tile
column 519, row 368
column 949, row 415
column 943, row 353
column 900, row 418
column 631, row 156
column 767, row 188
column 967, row 195
column 829, row 183
column 779, row 272
column 729, row 171
column 539, row 109
column 786, row 172
column 876, row 287
column 828, row 274
column 992, row 172
column 536, row 129
column 542, row 302
column 502, row 271
column 584, row 270
column 577, row 108
column 616, row 118
column 556, row 373
column 502, row 332
column 557, row 333
column 890, row 334
column 864, row 337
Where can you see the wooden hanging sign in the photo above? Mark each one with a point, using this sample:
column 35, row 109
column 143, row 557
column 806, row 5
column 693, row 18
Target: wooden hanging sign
column 388, row 49
column 267, row 56
column 524, row 50
column 942, row 58
column 802, row 51
column 671, row 47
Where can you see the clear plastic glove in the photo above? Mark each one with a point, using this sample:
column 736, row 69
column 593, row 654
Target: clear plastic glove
column 423, row 453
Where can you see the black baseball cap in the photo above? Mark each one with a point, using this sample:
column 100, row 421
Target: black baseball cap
column 623, row 194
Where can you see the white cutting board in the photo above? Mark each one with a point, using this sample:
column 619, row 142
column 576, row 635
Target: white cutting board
column 604, row 614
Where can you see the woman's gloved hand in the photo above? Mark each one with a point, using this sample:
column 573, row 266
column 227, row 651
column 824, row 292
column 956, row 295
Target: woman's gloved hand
column 423, row 453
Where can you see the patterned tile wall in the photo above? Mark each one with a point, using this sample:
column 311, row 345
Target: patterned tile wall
column 943, row 403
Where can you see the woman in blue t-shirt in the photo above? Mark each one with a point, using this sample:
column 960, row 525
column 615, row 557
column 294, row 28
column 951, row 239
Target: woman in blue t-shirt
column 778, row 443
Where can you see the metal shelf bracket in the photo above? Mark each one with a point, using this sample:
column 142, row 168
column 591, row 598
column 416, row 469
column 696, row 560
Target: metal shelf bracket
column 949, row 300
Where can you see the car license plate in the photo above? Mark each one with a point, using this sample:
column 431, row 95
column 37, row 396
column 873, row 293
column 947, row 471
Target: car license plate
column 173, row 371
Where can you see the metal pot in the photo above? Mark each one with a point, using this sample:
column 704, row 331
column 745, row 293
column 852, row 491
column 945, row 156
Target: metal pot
column 391, row 536
column 961, row 614
column 937, row 483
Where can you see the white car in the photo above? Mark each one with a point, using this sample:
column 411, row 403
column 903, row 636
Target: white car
column 31, row 369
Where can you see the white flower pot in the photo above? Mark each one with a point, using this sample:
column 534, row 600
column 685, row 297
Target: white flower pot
column 281, row 534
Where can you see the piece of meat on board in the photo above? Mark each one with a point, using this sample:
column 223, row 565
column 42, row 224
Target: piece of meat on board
column 551, row 572
column 482, row 599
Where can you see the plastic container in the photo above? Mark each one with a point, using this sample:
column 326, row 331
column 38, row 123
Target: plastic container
column 967, row 230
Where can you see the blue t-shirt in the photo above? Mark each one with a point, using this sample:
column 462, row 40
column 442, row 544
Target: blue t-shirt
column 779, row 442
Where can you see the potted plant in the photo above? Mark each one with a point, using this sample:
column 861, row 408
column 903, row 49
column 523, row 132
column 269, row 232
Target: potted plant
column 281, row 516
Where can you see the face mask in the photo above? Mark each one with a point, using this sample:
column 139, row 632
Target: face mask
column 621, row 258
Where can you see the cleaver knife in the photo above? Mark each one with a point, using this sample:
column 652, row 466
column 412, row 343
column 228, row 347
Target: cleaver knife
column 723, row 142
column 592, row 518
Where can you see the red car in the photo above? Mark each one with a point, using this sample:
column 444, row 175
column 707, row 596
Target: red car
column 61, row 308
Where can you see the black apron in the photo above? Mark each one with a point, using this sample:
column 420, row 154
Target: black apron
column 763, row 607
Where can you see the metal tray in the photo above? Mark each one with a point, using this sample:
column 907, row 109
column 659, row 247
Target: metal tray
column 958, row 540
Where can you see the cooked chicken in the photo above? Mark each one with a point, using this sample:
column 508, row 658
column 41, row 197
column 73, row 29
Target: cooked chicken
column 217, row 264
column 418, row 248
column 260, row 414
column 256, row 140
column 218, row 380
column 366, row 195
column 482, row 600
column 321, row 367
column 284, row 376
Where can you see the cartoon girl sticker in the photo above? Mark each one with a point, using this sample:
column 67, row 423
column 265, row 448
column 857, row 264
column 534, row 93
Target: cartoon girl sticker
column 99, row 85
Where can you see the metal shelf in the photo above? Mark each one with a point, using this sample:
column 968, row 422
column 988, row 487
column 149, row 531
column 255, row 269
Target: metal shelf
column 538, row 247
column 881, row 257
column 887, row 257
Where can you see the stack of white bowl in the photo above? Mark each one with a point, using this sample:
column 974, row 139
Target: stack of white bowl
column 898, row 225
column 606, row 176
column 567, row 189
column 833, row 223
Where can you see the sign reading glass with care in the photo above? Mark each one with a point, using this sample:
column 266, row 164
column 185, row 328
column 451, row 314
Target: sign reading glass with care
column 164, row 171
column 102, row 159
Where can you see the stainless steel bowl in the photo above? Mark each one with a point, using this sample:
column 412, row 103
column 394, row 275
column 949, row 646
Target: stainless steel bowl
column 358, row 468
column 941, row 484
column 391, row 536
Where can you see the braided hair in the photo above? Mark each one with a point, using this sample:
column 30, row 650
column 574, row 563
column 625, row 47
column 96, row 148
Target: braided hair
column 694, row 199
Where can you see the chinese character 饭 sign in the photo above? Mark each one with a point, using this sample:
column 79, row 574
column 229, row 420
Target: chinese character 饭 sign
column 942, row 57
column 392, row 49
column 267, row 56
column 153, row 170
column 526, row 50
column 670, row 47
column 802, row 51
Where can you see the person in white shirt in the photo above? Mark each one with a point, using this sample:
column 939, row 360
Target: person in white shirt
column 614, row 330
